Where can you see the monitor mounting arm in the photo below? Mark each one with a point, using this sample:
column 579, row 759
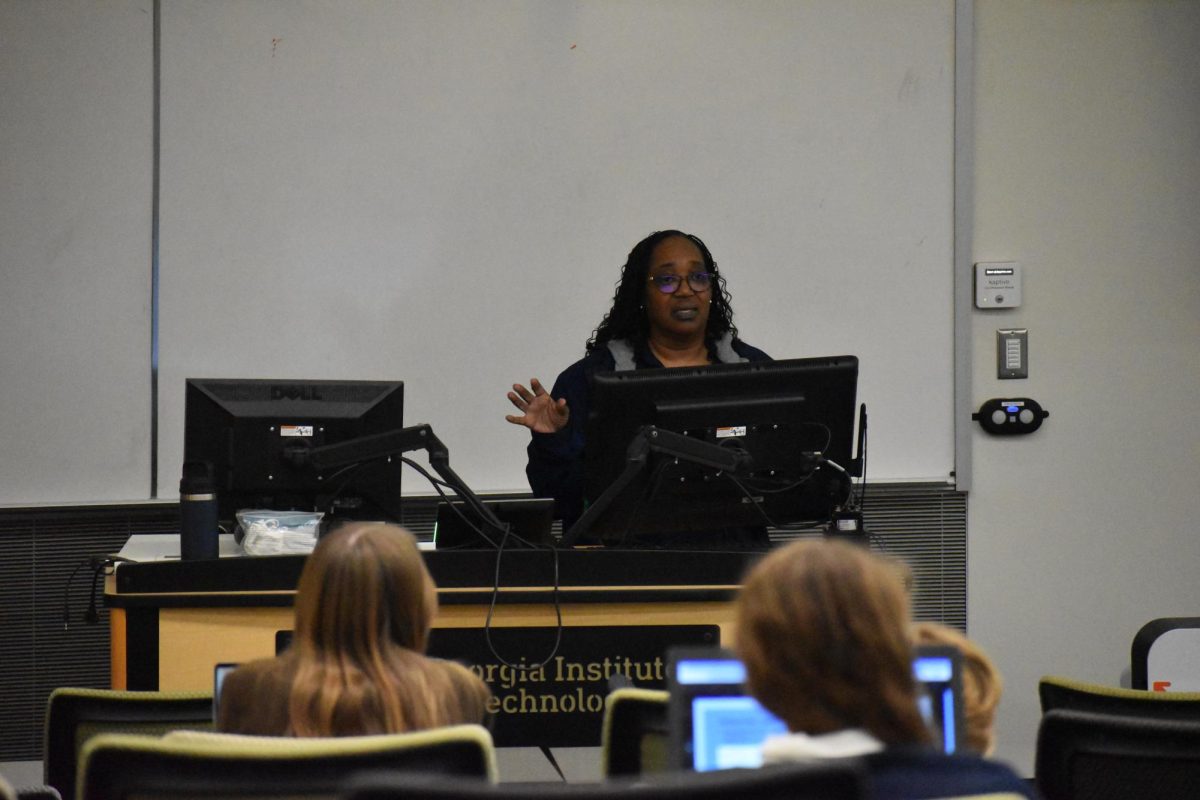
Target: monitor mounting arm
column 397, row 442
column 657, row 440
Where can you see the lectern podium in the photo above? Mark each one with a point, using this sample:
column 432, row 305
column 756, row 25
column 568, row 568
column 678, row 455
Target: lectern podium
column 172, row 621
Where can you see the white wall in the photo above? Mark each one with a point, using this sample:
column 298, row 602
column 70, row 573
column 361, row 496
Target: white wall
column 1087, row 172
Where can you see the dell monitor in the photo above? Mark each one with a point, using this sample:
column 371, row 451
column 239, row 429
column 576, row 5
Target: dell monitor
column 786, row 428
column 256, row 435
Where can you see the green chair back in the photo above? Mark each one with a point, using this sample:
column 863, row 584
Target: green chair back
column 1064, row 694
column 219, row 766
column 634, row 736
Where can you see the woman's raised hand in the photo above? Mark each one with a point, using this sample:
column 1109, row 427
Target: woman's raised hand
column 540, row 412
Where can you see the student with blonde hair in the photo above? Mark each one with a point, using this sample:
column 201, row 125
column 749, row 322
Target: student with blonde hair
column 824, row 630
column 357, row 662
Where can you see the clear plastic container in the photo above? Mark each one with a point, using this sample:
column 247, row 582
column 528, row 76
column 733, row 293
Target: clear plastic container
column 273, row 533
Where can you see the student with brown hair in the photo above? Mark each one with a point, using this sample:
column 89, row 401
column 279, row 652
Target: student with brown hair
column 364, row 606
column 824, row 630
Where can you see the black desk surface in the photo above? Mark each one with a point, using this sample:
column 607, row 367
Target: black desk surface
column 455, row 569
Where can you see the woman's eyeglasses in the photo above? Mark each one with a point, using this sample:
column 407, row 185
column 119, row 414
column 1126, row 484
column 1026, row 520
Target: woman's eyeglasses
column 668, row 284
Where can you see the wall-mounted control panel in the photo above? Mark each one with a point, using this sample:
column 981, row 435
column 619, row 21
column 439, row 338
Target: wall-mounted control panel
column 997, row 284
column 1008, row 417
column 1012, row 353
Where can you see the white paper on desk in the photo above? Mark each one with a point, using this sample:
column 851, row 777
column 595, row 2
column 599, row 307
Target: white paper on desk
column 261, row 541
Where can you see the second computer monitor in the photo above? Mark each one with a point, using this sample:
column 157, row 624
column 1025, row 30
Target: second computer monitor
column 256, row 435
column 776, row 415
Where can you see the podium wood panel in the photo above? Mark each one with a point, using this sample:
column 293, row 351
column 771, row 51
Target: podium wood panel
column 192, row 640
column 170, row 640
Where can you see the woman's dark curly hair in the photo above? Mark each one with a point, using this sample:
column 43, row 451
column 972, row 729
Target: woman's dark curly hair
column 627, row 317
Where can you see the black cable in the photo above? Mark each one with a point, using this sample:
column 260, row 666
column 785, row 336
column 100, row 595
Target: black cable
column 763, row 488
column 777, row 485
column 98, row 564
column 824, row 427
column 92, row 615
column 350, row 471
column 748, row 489
column 67, row 593
column 487, row 625
column 438, row 484
column 506, row 532
column 755, row 503
column 849, row 500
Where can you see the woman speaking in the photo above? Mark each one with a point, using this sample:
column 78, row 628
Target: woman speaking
column 671, row 309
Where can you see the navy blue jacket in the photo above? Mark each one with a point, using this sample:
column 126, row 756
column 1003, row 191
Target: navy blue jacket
column 920, row 773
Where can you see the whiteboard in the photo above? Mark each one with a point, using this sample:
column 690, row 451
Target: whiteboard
column 443, row 193
column 76, row 151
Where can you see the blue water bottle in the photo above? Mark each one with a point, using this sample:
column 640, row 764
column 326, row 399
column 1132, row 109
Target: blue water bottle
column 198, row 537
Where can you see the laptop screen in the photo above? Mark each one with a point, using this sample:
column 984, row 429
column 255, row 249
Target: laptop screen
column 219, row 673
column 938, row 670
column 715, row 724
column 727, row 726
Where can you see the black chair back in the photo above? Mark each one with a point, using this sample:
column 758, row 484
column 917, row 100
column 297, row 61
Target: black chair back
column 1085, row 756
column 216, row 766
column 74, row 715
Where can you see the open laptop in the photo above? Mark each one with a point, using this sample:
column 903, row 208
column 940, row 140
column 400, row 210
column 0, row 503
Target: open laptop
column 219, row 673
column 715, row 724
column 939, row 672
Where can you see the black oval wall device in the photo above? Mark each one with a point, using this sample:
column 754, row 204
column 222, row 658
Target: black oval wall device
column 1008, row 417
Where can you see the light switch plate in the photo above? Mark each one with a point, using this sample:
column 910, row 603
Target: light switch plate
column 1012, row 353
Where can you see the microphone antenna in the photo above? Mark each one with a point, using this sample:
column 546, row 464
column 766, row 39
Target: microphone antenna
column 861, row 461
